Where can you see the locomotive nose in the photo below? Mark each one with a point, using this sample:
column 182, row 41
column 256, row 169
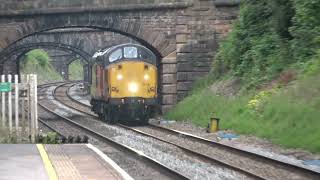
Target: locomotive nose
column 133, row 87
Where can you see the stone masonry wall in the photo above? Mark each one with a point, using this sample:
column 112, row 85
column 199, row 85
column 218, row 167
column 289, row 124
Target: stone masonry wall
column 185, row 37
column 199, row 29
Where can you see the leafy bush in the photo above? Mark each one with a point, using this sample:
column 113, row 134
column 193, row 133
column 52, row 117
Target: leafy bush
column 268, row 37
column 305, row 29
column 50, row 138
column 37, row 61
column 38, row 56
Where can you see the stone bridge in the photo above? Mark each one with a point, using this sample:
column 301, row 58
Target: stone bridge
column 184, row 34
column 76, row 43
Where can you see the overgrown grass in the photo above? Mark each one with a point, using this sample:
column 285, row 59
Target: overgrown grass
column 268, row 39
column 38, row 62
column 289, row 117
column 76, row 70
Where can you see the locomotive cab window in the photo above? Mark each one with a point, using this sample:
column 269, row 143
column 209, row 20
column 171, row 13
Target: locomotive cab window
column 117, row 54
column 130, row 52
column 143, row 54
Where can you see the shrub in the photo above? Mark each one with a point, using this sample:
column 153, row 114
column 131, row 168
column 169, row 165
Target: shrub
column 269, row 37
column 38, row 56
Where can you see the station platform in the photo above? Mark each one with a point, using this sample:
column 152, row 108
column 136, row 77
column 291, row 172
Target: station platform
column 52, row 162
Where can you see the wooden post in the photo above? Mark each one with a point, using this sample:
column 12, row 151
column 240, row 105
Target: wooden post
column 3, row 107
column 16, row 104
column 10, row 104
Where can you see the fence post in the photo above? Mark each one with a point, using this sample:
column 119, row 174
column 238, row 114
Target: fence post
column 23, row 110
column 32, row 108
column 16, row 108
column 36, row 103
column 28, row 103
column 10, row 104
column 3, row 107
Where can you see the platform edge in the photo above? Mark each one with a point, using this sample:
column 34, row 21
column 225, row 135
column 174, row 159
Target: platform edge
column 123, row 173
column 47, row 163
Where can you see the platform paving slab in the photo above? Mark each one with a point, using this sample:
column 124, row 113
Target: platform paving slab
column 21, row 162
column 68, row 161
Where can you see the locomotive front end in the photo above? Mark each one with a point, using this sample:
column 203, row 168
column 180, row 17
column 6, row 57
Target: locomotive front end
column 127, row 89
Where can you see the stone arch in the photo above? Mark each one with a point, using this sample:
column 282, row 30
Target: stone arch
column 159, row 37
column 19, row 50
column 158, row 41
column 88, row 40
column 22, row 49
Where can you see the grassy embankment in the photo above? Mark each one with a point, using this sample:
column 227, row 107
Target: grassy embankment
column 274, row 51
column 37, row 62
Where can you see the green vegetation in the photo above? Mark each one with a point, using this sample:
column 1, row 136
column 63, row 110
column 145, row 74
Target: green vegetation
column 268, row 37
column 49, row 138
column 274, row 51
column 287, row 116
column 37, row 61
column 76, row 70
column 4, row 135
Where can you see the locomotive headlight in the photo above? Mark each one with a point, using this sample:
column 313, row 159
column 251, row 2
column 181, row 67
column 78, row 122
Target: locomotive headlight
column 146, row 77
column 133, row 87
column 119, row 76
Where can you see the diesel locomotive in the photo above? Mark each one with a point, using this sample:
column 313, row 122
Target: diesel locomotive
column 124, row 83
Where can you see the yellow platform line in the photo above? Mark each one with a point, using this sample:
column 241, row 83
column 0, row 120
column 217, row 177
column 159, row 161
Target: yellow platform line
column 47, row 163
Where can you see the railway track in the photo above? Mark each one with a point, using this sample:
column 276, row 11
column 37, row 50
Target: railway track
column 264, row 167
column 251, row 164
column 57, row 122
column 60, row 95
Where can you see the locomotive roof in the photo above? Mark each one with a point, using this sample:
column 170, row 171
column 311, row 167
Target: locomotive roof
column 102, row 52
column 108, row 51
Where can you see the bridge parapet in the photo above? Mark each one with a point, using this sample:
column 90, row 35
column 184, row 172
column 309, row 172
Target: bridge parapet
column 18, row 7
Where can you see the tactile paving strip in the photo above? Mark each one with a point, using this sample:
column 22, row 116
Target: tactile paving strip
column 62, row 163
column 79, row 162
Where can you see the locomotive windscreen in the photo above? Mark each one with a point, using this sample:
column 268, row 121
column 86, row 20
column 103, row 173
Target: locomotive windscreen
column 126, row 52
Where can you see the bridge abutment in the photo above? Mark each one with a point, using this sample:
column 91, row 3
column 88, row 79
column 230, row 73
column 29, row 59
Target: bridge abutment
column 199, row 29
column 168, row 81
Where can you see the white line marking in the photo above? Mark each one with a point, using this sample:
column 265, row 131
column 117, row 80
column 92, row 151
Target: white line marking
column 124, row 174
